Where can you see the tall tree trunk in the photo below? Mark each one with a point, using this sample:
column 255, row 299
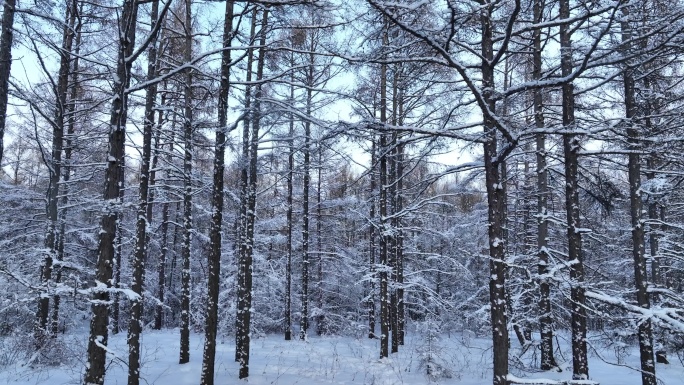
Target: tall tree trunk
column 495, row 210
column 55, row 166
column 290, row 222
column 304, row 320
column 248, row 246
column 645, row 336
column 571, row 147
column 306, row 215
column 95, row 368
column 5, row 64
column 142, row 223
column 392, row 192
column 320, row 322
column 545, row 315
column 187, row 194
column 214, row 262
column 68, row 150
column 240, row 332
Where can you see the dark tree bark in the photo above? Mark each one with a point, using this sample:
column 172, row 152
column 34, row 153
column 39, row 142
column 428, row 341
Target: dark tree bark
column 214, row 261
column 495, row 209
column 320, row 322
column 645, row 335
column 571, row 147
column 5, row 64
column 95, row 368
column 188, row 130
column 545, row 315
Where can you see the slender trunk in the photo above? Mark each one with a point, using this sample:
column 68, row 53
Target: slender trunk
column 248, row 246
column 571, row 147
column 304, row 321
column 394, row 306
column 290, row 222
column 645, row 335
column 55, row 166
column 142, row 223
column 5, row 64
column 320, row 323
column 95, row 367
column 187, row 196
column 214, row 262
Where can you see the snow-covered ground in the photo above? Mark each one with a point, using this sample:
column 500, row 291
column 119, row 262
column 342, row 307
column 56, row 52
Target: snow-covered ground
column 456, row 359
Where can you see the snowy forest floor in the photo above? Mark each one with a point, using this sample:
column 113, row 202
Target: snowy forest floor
column 455, row 359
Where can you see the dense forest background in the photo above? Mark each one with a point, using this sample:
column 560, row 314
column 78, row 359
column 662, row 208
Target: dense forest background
column 359, row 168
